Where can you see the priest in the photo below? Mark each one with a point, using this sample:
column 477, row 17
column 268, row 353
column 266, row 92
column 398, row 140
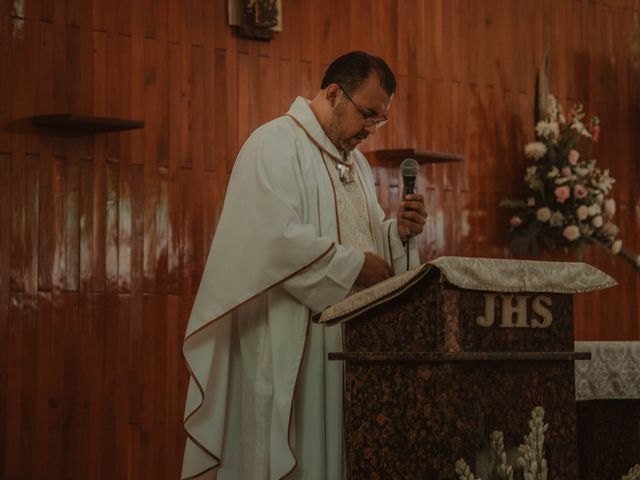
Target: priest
column 301, row 229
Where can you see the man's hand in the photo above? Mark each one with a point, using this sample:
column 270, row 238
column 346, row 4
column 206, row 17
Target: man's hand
column 411, row 216
column 374, row 270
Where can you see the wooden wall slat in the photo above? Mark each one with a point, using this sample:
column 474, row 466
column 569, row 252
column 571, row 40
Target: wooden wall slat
column 124, row 219
column 95, row 307
column 12, row 431
column 178, row 309
column 5, row 214
column 180, row 118
column 137, row 229
column 162, row 231
column 136, row 84
column 18, row 260
column 85, row 268
column 220, row 100
column 79, row 59
column 149, row 187
column 41, row 458
column 24, row 102
column 209, row 113
column 72, row 223
column 99, row 217
column 112, row 179
column 123, row 355
column 197, row 102
column 148, row 366
column 175, row 92
column 155, row 111
column 72, row 410
column 174, row 212
column 56, row 354
column 5, row 80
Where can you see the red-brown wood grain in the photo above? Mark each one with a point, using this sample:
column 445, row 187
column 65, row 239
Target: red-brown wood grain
column 105, row 236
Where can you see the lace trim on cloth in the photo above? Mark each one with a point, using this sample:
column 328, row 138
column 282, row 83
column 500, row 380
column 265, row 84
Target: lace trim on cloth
column 505, row 275
column 484, row 274
column 612, row 373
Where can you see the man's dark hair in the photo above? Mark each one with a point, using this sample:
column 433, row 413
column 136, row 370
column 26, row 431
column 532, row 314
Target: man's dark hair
column 353, row 68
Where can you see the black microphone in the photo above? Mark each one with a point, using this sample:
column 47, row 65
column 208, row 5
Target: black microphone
column 409, row 168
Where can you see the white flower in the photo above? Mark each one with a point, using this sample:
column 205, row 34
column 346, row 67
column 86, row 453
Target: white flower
column 547, row 129
column 578, row 126
column 543, row 214
column 594, row 210
column 597, row 221
column 606, row 182
column 553, row 173
column 615, row 248
column 585, row 230
column 553, row 107
column 610, row 206
column 571, row 233
column 638, row 261
column 583, row 212
column 532, row 179
column 556, row 219
column 535, row 150
column 583, row 171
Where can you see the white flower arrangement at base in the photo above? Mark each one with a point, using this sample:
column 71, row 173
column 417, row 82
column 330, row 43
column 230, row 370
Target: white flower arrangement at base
column 532, row 463
column 633, row 474
column 567, row 203
column 532, row 460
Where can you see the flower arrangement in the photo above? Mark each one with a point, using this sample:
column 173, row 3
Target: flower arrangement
column 568, row 201
column 633, row 473
column 532, row 463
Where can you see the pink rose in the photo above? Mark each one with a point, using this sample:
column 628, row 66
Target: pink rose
column 561, row 193
column 579, row 191
column 515, row 221
column 531, row 202
column 573, row 156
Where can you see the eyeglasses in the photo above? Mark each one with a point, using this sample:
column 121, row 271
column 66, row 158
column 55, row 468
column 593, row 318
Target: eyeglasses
column 369, row 118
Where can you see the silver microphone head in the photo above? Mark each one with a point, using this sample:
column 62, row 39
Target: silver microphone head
column 409, row 167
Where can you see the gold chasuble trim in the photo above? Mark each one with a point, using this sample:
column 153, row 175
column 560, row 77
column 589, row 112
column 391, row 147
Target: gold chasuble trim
column 335, row 159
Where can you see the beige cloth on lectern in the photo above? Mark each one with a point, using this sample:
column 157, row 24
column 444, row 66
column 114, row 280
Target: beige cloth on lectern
column 250, row 347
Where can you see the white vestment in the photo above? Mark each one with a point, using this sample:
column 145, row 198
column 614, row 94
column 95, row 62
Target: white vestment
column 251, row 349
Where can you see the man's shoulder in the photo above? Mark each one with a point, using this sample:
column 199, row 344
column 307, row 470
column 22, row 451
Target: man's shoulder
column 278, row 129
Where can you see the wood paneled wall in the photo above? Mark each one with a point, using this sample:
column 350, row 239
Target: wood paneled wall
column 103, row 237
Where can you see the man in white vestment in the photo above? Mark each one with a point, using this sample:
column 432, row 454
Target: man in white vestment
column 300, row 229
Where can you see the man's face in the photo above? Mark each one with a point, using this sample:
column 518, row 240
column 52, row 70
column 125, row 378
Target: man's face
column 353, row 119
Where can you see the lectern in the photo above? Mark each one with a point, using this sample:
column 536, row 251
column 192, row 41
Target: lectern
column 439, row 357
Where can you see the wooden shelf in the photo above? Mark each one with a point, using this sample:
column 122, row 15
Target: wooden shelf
column 422, row 156
column 70, row 123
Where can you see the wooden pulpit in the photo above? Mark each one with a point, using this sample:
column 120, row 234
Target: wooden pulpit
column 438, row 358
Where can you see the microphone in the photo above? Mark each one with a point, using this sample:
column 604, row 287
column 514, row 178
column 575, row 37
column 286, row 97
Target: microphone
column 409, row 168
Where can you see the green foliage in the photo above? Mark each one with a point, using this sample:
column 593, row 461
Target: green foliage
column 513, row 204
